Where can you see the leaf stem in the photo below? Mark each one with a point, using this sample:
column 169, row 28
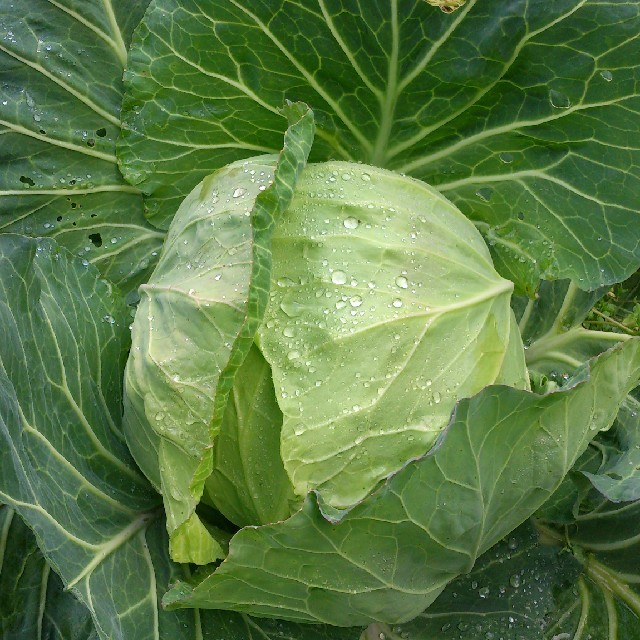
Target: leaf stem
column 614, row 322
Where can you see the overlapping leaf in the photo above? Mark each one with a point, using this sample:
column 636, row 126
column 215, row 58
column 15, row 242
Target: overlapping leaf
column 604, row 603
column 503, row 454
column 61, row 67
column 508, row 595
column 64, row 466
column 525, row 114
column 215, row 269
column 34, row 605
column 364, row 256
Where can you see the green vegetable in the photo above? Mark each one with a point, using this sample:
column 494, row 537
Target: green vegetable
column 372, row 269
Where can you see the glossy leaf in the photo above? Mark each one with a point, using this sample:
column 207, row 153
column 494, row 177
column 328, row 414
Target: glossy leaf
column 551, row 326
column 618, row 477
column 362, row 257
column 509, row 594
column 503, row 455
column 61, row 66
column 195, row 324
column 525, row 114
column 64, row 466
column 604, row 603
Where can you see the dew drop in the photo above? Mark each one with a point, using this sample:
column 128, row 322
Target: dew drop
column 239, row 192
column 559, row 100
column 366, row 177
column 291, row 308
column 338, row 277
column 293, row 355
column 514, row 581
column 402, row 282
column 607, row 76
column 437, row 397
column 356, row 301
column 346, row 176
column 397, row 303
column 341, row 304
column 506, row 157
column 289, row 332
column 351, row 222
column 484, row 194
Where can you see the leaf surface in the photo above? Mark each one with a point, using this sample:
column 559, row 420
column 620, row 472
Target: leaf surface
column 64, row 466
column 525, row 114
column 249, row 484
column 366, row 257
column 387, row 559
column 604, row 602
column 509, row 594
column 34, row 605
column 61, row 65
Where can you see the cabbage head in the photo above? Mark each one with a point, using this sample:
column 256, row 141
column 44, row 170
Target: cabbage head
column 371, row 308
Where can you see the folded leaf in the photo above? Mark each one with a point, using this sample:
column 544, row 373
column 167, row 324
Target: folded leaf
column 387, row 559
column 195, row 324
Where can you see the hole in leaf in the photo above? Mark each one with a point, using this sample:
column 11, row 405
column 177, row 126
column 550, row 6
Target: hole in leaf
column 91, row 142
column 59, row 218
column 101, row 133
column 96, row 239
column 27, row 180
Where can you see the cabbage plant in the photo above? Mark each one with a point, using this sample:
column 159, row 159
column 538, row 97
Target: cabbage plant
column 319, row 320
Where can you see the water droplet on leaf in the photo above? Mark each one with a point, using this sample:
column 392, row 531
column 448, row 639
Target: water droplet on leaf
column 338, row 277
column 559, row 100
column 351, row 222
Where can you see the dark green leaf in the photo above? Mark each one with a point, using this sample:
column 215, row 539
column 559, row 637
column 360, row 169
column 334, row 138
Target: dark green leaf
column 551, row 325
column 525, row 114
column 604, row 604
column 61, row 67
column 507, row 595
column 64, row 466
column 34, row 605
column 618, row 478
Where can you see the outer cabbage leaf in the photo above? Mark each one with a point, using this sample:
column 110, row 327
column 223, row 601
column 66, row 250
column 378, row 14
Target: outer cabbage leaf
column 387, row 559
column 525, row 114
column 605, row 600
column 366, row 257
column 618, row 477
column 551, row 325
column 195, row 323
column 64, row 466
column 34, row 604
column 61, row 65
column 509, row 595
